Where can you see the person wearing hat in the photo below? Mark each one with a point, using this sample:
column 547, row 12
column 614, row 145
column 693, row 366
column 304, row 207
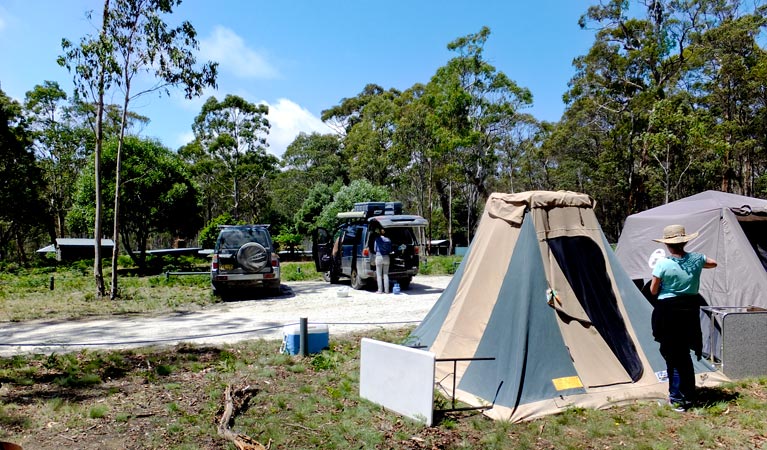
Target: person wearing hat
column 675, row 318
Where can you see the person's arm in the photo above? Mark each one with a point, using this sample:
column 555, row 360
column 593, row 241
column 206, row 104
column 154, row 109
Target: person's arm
column 709, row 264
column 655, row 285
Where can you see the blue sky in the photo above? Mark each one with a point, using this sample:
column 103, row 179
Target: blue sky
column 301, row 57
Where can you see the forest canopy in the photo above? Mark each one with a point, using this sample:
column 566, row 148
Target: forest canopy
column 669, row 100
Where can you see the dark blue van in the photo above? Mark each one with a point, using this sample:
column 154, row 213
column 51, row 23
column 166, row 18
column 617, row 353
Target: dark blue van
column 348, row 251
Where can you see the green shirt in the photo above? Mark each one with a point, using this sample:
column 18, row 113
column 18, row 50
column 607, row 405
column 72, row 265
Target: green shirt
column 679, row 276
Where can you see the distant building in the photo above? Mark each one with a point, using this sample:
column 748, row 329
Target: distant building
column 74, row 249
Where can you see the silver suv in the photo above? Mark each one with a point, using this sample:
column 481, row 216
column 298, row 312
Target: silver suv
column 244, row 257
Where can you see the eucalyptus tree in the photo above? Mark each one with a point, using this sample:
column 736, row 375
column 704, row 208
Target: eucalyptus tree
column 143, row 43
column 319, row 156
column 523, row 162
column 728, row 76
column 413, row 139
column 94, row 70
column 344, row 116
column 311, row 159
column 60, row 145
column 232, row 133
column 366, row 124
column 473, row 106
column 634, row 63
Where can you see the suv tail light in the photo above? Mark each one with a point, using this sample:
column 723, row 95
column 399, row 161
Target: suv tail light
column 366, row 252
column 417, row 249
column 275, row 260
column 214, row 263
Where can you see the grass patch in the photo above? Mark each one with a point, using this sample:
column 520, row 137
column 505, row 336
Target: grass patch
column 313, row 403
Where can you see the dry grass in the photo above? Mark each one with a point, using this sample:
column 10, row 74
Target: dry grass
column 28, row 296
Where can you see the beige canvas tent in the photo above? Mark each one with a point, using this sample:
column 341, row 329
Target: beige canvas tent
column 541, row 293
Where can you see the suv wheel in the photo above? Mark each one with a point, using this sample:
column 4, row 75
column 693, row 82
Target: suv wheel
column 252, row 256
column 274, row 287
column 330, row 277
column 356, row 281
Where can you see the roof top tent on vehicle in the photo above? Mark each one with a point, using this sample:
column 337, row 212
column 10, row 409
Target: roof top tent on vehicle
column 378, row 208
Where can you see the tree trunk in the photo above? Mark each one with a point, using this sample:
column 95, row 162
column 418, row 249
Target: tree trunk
column 114, row 292
column 98, row 272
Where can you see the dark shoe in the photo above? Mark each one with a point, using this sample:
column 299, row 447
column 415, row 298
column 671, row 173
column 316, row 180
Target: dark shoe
column 677, row 407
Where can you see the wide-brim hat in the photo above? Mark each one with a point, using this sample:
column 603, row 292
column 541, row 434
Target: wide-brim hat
column 675, row 234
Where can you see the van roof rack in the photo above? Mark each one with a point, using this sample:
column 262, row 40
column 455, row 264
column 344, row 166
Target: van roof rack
column 265, row 225
column 351, row 215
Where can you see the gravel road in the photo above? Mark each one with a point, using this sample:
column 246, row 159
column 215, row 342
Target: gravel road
column 233, row 321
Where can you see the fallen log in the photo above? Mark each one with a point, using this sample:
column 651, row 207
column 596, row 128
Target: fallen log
column 234, row 403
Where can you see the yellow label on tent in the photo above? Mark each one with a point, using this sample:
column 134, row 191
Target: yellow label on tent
column 563, row 383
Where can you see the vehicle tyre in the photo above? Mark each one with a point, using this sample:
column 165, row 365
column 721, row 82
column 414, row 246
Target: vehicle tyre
column 252, row 256
column 274, row 287
column 405, row 283
column 356, row 281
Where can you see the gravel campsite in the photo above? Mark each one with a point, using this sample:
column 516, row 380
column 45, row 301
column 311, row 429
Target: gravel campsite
column 342, row 308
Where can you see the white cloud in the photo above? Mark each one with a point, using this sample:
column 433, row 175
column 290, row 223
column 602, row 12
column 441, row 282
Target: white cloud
column 2, row 22
column 184, row 138
column 287, row 120
column 229, row 50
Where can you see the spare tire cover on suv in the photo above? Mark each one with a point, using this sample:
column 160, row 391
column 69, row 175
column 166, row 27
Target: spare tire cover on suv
column 252, row 256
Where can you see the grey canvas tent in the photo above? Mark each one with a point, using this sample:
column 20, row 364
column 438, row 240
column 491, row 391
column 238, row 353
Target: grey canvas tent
column 733, row 231
column 541, row 293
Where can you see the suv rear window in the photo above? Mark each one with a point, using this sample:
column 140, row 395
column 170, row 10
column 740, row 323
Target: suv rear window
column 233, row 239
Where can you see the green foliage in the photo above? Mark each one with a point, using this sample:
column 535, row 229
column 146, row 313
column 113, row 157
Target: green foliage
column 209, row 233
column 317, row 199
column 287, row 239
column 439, row 265
column 347, row 196
column 299, row 271
column 231, row 141
column 158, row 196
column 21, row 206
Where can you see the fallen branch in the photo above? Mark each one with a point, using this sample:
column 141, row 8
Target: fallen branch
column 241, row 441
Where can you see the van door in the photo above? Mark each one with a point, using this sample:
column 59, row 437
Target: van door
column 322, row 250
column 350, row 241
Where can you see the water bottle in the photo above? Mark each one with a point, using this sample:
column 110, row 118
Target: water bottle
column 396, row 289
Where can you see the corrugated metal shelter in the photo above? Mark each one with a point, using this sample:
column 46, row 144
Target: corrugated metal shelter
column 73, row 249
column 540, row 291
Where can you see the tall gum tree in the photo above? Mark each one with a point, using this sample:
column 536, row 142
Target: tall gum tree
column 144, row 44
column 232, row 133
column 94, row 71
column 473, row 106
